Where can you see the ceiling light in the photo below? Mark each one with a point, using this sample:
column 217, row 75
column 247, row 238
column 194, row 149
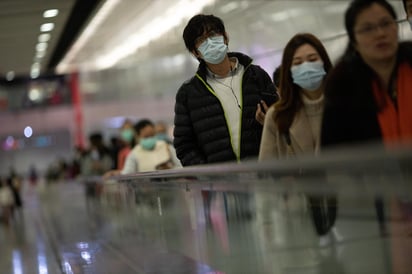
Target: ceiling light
column 100, row 16
column 46, row 27
column 28, row 132
column 50, row 13
column 41, row 46
column 34, row 93
column 153, row 29
column 40, row 54
column 10, row 75
column 35, row 66
column 44, row 37
column 34, row 74
column 229, row 7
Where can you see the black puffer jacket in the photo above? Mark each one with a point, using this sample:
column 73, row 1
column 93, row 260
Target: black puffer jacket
column 201, row 134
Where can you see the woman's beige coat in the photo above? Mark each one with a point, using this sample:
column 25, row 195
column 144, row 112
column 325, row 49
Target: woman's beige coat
column 291, row 217
column 273, row 144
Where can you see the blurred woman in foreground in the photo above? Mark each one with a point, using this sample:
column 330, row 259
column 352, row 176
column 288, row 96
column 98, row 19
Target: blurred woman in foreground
column 369, row 99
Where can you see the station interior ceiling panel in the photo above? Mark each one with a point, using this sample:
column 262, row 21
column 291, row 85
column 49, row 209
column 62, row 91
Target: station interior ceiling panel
column 101, row 34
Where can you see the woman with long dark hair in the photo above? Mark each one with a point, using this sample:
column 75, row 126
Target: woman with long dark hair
column 292, row 128
column 292, row 125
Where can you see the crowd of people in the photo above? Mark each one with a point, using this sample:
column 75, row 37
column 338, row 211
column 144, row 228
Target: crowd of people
column 140, row 146
column 231, row 110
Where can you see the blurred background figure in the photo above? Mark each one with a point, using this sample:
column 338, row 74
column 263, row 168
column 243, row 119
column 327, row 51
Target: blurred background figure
column 276, row 79
column 15, row 182
column 407, row 4
column 75, row 167
column 115, row 145
column 162, row 132
column 97, row 159
column 95, row 162
column 7, row 202
column 150, row 153
column 127, row 142
column 33, row 176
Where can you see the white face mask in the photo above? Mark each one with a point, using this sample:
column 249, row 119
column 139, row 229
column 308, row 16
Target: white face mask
column 308, row 75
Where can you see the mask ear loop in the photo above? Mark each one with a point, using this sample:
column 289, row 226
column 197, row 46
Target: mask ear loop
column 197, row 55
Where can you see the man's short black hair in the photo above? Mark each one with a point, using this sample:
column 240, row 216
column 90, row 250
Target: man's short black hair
column 199, row 25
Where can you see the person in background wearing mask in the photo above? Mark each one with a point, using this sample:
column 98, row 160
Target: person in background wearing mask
column 220, row 111
column 292, row 128
column 162, row 132
column 150, row 153
column 7, row 202
column 276, row 79
column 127, row 138
column 407, row 4
column 95, row 162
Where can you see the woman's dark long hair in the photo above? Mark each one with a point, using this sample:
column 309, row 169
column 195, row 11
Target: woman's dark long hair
column 290, row 101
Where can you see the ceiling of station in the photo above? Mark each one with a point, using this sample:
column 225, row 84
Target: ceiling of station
column 20, row 23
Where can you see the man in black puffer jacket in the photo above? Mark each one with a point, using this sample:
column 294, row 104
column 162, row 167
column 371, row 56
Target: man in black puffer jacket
column 220, row 111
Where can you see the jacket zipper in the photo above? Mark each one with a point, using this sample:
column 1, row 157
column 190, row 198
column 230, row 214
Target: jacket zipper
column 224, row 113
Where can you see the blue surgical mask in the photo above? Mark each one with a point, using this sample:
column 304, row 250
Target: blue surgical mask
column 213, row 49
column 148, row 143
column 308, row 75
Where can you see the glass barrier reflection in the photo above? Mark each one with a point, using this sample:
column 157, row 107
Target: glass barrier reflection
column 329, row 215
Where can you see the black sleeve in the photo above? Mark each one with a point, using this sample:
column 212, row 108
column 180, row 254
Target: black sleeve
column 268, row 93
column 349, row 116
column 185, row 140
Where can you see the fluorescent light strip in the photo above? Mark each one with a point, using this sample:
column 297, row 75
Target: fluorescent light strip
column 152, row 30
column 44, row 37
column 41, row 47
column 40, row 54
column 47, row 27
column 50, row 13
column 91, row 28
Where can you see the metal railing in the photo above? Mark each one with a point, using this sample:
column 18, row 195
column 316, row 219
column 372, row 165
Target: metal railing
column 347, row 211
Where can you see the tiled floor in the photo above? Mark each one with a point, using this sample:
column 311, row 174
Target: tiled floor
column 173, row 231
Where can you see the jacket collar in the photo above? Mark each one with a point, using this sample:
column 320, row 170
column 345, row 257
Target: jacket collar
column 243, row 59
